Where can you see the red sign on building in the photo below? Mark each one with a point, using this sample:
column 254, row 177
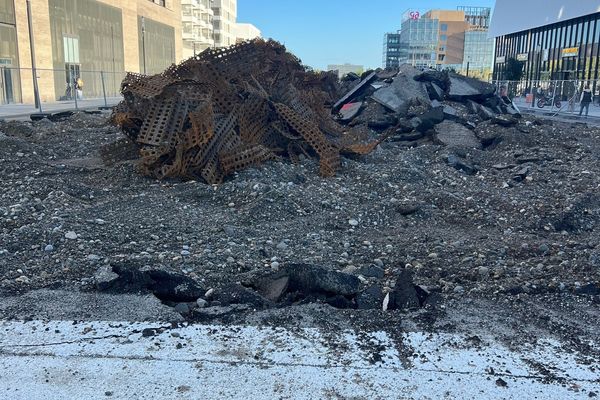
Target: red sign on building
column 414, row 15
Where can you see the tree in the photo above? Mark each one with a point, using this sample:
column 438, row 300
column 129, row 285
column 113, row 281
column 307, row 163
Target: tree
column 513, row 70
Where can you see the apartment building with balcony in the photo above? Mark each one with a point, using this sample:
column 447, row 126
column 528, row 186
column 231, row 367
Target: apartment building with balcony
column 224, row 22
column 197, row 23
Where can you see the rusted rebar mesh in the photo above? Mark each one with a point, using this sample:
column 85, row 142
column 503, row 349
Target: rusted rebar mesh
column 227, row 109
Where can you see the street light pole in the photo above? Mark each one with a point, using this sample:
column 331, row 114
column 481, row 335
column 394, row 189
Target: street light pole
column 144, row 43
column 36, row 91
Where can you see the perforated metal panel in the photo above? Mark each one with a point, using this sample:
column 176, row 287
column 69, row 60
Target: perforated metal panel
column 228, row 109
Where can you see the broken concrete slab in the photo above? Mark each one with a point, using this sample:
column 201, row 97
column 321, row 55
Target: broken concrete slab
column 354, row 91
column 462, row 165
column 439, row 78
column 165, row 285
column 504, row 120
column 238, row 294
column 370, row 299
column 463, row 88
column 485, row 113
column 349, row 111
column 453, row 134
column 404, row 296
column 434, row 91
column 313, row 278
column 427, row 121
column 403, row 91
column 383, row 122
column 273, row 289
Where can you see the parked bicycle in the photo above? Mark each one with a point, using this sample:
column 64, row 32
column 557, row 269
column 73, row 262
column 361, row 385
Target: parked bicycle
column 548, row 101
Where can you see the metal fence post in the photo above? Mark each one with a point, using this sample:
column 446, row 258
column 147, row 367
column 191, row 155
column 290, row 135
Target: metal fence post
column 36, row 91
column 103, row 89
column 73, row 88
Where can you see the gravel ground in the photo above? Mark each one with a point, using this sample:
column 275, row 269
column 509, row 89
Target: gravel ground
column 521, row 234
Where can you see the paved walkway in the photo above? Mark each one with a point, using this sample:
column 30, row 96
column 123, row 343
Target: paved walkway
column 22, row 111
column 594, row 113
column 119, row 360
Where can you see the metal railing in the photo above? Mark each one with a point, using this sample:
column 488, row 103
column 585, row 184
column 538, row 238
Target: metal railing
column 70, row 86
column 558, row 96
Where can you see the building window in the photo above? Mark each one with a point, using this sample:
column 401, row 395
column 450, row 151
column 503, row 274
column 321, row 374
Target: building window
column 71, row 49
column 443, row 27
column 443, row 38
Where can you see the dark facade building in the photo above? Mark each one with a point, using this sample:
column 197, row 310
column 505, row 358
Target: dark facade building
column 554, row 39
column 391, row 50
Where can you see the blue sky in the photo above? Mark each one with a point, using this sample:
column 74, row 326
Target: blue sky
column 323, row 32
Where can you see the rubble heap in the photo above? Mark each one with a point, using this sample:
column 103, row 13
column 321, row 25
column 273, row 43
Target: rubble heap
column 425, row 105
column 227, row 109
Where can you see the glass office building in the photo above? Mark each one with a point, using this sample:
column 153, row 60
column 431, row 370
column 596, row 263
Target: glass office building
column 564, row 50
column 478, row 53
column 419, row 42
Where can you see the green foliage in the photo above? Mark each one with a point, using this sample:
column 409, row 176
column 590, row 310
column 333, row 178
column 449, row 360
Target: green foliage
column 513, row 69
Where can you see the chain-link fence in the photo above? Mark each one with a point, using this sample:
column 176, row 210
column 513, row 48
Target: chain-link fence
column 554, row 95
column 69, row 88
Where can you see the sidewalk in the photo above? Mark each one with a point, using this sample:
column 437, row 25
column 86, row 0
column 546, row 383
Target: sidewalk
column 22, row 111
column 563, row 113
column 121, row 360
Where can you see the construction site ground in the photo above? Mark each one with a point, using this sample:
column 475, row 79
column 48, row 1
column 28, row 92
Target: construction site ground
column 510, row 256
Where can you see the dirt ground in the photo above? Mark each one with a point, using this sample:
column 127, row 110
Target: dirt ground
column 512, row 250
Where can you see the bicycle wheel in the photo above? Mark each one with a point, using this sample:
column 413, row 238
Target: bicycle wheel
column 541, row 103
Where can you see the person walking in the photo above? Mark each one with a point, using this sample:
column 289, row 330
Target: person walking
column 586, row 99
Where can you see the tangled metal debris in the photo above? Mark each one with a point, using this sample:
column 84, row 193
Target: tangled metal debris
column 227, row 109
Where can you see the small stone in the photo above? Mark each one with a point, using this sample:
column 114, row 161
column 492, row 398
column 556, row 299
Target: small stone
column 483, row 271
column 22, row 279
column 282, row 245
column 182, row 308
column 230, row 260
column 185, row 253
column 184, row 247
column 49, row 248
column 201, row 303
column 71, row 235
column 93, row 257
column 433, row 255
column 274, row 265
column 209, row 293
column 378, row 262
column 100, row 221
column 353, row 222
column 459, row 289
column 231, row 204
column 501, row 382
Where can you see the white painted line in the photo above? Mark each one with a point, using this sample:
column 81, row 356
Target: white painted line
column 90, row 360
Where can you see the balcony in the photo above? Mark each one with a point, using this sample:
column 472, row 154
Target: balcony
column 193, row 19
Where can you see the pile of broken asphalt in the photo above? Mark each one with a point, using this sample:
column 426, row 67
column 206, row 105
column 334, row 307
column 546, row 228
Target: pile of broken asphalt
column 479, row 204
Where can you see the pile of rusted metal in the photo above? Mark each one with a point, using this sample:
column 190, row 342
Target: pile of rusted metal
column 227, row 109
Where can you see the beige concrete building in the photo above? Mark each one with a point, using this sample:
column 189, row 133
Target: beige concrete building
column 451, row 38
column 244, row 31
column 84, row 38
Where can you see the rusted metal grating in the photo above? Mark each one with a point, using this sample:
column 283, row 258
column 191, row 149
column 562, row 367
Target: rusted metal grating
column 225, row 110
